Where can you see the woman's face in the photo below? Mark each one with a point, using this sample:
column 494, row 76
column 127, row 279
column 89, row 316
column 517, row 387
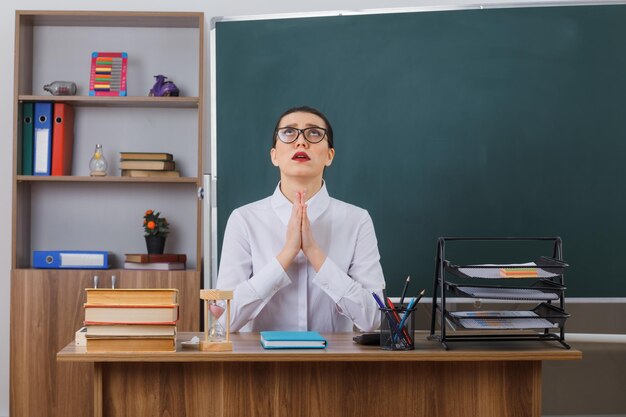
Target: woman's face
column 302, row 158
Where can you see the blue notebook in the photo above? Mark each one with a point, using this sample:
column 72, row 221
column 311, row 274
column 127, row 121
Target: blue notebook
column 292, row 340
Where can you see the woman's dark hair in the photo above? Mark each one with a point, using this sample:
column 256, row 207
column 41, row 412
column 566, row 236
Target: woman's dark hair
column 306, row 109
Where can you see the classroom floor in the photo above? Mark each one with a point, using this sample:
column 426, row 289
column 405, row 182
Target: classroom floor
column 589, row 415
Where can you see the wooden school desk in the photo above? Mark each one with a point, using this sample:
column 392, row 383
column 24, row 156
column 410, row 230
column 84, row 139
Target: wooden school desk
column 345, row 379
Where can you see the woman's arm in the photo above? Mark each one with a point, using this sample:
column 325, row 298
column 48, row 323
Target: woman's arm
column 352, row 291
column 251, row 293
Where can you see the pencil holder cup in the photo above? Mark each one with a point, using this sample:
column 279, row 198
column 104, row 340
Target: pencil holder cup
column 397, row 329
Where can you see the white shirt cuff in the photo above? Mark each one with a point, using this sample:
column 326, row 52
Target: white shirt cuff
column 332, row 280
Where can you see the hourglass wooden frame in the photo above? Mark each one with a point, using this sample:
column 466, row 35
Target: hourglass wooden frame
column 213, row 346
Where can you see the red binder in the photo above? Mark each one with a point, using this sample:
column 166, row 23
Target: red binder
column 62, row 139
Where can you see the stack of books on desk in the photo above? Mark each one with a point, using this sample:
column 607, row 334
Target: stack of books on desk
column 148, row 164
column 158, row 262
column 131, row 320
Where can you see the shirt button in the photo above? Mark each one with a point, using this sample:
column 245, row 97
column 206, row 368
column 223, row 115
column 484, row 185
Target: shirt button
column 326, row 286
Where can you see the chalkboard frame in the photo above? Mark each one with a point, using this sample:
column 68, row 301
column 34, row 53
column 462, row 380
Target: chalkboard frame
column 214, row 156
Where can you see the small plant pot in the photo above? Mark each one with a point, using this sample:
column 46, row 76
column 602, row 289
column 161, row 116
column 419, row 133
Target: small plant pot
column 155, row 244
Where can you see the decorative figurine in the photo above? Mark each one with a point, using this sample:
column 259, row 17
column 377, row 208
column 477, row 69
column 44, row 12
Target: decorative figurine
column 162, row 88
column 216, row 338
column 61, row 88
column 98, row 164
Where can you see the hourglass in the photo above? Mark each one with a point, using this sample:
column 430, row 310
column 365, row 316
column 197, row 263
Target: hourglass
column 216, row 338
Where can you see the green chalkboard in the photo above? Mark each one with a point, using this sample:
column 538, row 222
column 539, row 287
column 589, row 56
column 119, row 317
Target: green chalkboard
column 496, row 122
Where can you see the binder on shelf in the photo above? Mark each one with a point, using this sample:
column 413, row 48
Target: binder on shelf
column 58, row 259
column 42, row 149
column 27, row 138
column 62, row 139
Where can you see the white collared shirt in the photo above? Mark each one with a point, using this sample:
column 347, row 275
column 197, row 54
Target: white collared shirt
column 266, row 297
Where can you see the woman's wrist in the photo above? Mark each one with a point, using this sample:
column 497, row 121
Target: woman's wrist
column 286, row 257
column 316, row 257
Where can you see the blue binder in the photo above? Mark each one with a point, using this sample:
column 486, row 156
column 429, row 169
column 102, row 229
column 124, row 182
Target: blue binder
column 42, row 151
column 70, row 259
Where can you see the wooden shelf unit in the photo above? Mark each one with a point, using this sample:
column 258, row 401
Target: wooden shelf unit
column 48, row 303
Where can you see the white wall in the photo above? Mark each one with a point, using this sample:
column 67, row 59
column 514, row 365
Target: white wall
column 210, row 9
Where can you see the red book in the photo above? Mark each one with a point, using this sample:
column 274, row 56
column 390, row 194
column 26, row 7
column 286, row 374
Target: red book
column 62, row 139
column 151, row 258
column 162, row 266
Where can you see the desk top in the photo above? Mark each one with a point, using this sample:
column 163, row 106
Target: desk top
column 341, row 348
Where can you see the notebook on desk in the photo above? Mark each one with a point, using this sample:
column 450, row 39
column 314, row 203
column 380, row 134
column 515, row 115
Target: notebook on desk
column 292, row 340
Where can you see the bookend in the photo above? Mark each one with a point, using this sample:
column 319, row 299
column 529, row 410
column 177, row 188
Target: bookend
column 546, row 288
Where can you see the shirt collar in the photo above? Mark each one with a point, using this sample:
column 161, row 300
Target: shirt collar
column 316, row 205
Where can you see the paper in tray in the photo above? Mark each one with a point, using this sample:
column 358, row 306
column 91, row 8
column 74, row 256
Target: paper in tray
column 506, row 324
column 493, row 271
column 507, row 293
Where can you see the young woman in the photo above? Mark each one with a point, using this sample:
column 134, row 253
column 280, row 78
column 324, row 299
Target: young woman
column 299, row 259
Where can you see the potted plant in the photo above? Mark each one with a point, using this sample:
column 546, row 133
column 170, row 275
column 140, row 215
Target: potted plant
column 155, row 229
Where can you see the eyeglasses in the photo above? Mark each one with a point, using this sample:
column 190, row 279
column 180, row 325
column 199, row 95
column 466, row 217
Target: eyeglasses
column 291, row 134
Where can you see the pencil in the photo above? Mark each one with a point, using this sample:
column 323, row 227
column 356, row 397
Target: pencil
column 406, row 286
column 419, row 297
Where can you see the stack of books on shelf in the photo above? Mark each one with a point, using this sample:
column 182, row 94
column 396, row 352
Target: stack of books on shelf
column 46, row 138
column 125, row 320
column 159, row 262
column 148, row 164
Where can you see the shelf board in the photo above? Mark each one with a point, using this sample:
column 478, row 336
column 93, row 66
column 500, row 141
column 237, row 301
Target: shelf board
column 113, row 270
column 107, row 179
column 111, row 18
column 129, row 101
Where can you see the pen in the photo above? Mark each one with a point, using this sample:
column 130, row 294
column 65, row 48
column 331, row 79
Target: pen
column 392, row 323
column 406, row 286
column 409, row 307
column 407, row 312
column 397, row 317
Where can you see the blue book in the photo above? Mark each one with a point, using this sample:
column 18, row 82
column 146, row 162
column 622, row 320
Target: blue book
column 292, row 340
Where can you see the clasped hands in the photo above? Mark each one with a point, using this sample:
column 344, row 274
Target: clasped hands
column 299, row 237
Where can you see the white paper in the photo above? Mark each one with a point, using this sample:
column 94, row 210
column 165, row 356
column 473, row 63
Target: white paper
column 82, row 259
column 529, row 323
column 494, row 313
column 42, row 151
column 494, row 273
column 509, row 293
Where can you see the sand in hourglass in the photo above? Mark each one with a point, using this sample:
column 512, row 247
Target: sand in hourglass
column 216, row 331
